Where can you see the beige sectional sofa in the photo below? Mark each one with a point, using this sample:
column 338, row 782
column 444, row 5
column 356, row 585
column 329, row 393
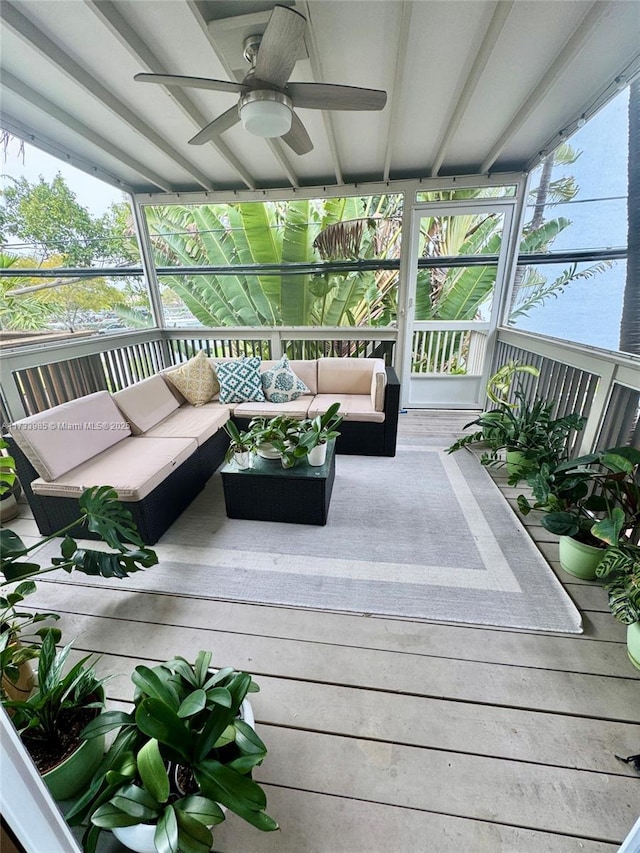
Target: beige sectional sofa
column 158, row 451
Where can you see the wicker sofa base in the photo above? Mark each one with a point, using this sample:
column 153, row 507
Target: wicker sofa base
column 152, row 515
column 363, row 438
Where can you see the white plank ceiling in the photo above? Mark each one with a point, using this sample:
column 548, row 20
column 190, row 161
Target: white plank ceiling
column 474, row 86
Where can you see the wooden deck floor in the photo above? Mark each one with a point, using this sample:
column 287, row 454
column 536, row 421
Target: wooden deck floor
column 387, row 735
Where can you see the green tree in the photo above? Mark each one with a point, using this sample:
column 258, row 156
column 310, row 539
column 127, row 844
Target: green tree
column 48, row 218
column 27, row 312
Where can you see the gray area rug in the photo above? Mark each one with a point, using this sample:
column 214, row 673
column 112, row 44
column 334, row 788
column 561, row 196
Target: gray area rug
column 424, row 535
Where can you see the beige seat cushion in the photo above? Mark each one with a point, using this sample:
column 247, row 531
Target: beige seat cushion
column 146, row 403
column 134, row 468
column 192, row 422
column 61, row 438
column 294, row 409
column 353, row 407
column 196, row 380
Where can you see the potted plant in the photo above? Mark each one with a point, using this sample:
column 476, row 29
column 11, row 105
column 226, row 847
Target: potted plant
column 619, row 569
column 523, row 434
column 19, row 642
column 267, row 434
column 43, row 717
column 9, row 486
column 588, row 502
column 50, row 720
column 526, row 431
column 240, row 447
column 182, row 756
column 316, row 432
column 102, row 513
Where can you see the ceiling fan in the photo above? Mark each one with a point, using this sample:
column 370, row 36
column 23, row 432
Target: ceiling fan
column 267, row 99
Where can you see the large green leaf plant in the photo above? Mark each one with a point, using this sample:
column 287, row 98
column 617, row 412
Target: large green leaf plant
column 104, row 515
column 181, row 753
column 276, row 233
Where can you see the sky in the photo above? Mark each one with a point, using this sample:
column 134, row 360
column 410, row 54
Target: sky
column 90, row 192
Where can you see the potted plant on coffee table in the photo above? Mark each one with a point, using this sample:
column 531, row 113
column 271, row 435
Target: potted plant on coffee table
column 50, row 720
column 316, row 432
column 241, row 445
column 182, row 756
column 267, row 434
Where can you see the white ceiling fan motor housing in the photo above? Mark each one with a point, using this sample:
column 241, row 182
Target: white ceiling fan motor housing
column 265, row 112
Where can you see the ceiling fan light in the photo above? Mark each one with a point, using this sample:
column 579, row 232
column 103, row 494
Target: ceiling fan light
column 266, row 113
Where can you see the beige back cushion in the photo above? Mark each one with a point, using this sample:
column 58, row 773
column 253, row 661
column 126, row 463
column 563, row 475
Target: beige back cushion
column 61, row 438
column 346, row 375
column 308, row 372
column 379, row 385
column 146, row 403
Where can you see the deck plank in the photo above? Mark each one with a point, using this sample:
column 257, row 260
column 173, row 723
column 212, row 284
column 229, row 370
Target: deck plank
column 313, row 823
column 560, row 652
column 552, row 799
column 598, row 696
column 528, row 736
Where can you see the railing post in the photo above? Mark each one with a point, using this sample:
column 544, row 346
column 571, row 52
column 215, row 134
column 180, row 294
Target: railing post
column 598, row 409
column 275, row 343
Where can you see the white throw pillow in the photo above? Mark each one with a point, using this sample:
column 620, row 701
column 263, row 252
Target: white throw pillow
column 280, row 384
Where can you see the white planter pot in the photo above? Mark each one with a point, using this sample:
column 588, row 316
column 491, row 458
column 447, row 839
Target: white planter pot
column 242, row 460
column 268, row 451
column 317, row 455
column 139, row 838
column 8, row 507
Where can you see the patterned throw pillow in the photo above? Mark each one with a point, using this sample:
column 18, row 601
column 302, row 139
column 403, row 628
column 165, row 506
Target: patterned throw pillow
column 195, row 380
column 280, row 384
column 240, row 380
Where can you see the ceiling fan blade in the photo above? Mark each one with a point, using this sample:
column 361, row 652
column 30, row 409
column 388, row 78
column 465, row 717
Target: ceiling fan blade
column 217, row 126
column 189, row 82
column 280, row 45
column 298, row 139
column 326, row 96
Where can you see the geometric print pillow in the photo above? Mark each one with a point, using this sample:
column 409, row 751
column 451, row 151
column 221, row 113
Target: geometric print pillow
column 195, row 379
column 280, row 384
column 240, row 380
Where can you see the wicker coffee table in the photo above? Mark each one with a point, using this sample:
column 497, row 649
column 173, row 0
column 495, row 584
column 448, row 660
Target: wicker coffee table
column 269, row 492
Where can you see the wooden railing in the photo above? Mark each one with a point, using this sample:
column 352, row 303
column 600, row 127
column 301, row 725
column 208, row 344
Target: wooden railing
column 450, row 351
column 603, row 386
column 39, row 377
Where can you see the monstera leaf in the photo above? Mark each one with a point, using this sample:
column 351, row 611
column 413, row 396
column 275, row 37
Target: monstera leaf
column 104, row 515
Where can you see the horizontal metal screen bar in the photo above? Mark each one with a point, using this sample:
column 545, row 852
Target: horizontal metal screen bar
column 584, row 255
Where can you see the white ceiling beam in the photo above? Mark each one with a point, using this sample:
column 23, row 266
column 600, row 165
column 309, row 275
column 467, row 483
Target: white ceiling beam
column 24, row 91
column 398, row 84
column 570, row 51
column 501, row 12
column 58, row 57
column 318, row 76
column 624, row 77
column 111, row 18
column 276, row 147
